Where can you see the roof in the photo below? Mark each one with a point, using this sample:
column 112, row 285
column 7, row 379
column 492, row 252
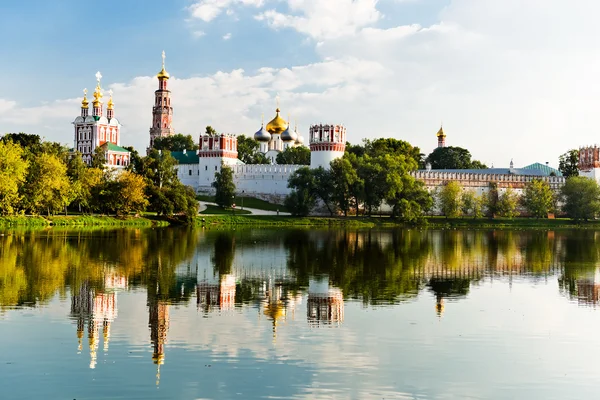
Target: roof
column 113, row 147
column 545, row 168
column 496, row 171
column 189, row 157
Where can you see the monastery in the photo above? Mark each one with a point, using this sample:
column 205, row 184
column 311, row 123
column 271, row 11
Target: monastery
column 326, row 142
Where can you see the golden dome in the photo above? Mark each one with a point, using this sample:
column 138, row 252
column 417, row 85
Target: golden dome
column 277, row 125
column 110, row 105
column 441, row 132
column 97, row 96
column 85, row 103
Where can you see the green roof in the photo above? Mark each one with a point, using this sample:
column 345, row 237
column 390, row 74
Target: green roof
column 113, row 147
column 189, row 157
column 544, row 168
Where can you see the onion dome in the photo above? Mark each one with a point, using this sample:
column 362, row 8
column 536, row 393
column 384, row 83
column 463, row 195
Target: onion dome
column 300, row 140
column 110, row 105
column 289, row 135
column 262, row 135
column 277, row 125
column 98, row 91
column 85, row 103
column 441, row 132
column 163, row 74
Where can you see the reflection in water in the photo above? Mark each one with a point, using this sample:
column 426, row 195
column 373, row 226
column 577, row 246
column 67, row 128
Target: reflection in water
column 278, row 272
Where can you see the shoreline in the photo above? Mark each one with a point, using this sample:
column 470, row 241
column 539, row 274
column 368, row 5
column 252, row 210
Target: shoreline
column 249, row 220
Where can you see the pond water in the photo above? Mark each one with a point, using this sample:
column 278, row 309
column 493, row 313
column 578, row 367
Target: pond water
column 301, row 314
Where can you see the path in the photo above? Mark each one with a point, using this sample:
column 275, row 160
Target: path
column 254, row 211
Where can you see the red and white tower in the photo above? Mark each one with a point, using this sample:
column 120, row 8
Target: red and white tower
column 327, row 142
column 162, row 112
column 213, row 152
column 441, row 136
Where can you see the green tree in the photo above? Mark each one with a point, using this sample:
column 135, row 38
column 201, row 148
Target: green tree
column 507, row 203
column 412, row 201
column 324, row 187
column 538, row 198
column 99, row 157
column 248, row 151
column 490, row 200
column 568, row 163
column 581, row 198
column 343, row 176
column 13, row 170
column 177, row 142
column 159, row 167
column 224, row 186
column 302, row 199
column 394, row 147
column 89, row 185
column 174, row 199
column 471, row 204
column 210, row 131
column 130, row 196
column 299, row 155
column 452, row 158
column 47, row 187
column 449, row 199
column 136, row 162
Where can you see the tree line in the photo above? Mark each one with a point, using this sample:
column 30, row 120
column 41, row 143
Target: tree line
column 39, row 177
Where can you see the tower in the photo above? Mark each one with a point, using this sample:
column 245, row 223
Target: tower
column 327, row 142
column 441, row 137
column 213, row 151
column 162, row 112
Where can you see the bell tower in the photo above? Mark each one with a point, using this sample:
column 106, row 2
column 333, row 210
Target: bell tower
column 162, row 112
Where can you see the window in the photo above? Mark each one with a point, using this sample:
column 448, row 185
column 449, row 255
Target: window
column 190, row 172
column 215, row 167
column 205, row 168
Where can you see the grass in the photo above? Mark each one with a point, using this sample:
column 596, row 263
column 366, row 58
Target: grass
column 216, row 210
column 558, row 223
column 284, row 220
column 79, row 220
column 250, row 202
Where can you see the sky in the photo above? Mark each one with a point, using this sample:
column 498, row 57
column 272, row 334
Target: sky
column 508, row 79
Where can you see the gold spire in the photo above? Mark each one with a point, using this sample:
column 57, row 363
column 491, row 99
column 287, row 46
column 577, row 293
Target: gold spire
column 98, row 91
column 85, row 103
column 163, row 74
column 441, row 132
column 110, row 105
column 277, row 125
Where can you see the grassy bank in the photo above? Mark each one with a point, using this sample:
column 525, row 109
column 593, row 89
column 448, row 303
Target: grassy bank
column 79, row 220
column 532, row 223
column 275, row 220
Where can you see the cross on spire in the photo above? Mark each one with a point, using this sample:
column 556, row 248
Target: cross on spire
column 110, row 92
column 163, row 59
column 98, row 77
column 277, row 99
column 85, row 92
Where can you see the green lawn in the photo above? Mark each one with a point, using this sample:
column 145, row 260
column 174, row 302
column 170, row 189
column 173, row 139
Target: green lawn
column 250, row 202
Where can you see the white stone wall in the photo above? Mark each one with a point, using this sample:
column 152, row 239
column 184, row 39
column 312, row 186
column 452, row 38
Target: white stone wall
column 324, row 158
column 189, row 174
column 593, row 173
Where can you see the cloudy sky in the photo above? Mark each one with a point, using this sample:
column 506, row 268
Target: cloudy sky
column 508, row 78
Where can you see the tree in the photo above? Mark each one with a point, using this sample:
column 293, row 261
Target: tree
column 449, row 198
column 47, row 187
column 299, row 155
column 343, row 176
column 130, row 196
column 174, row 199
column 538, row 198
column 210, row 131
column 490, row 200
column 136, row 162
column 301, row 200
column 159, row 167
column 28, row 142
column 89, row 185
column 452, row 158
column 412, row 201
column 224, row 186
column 248, row 151
column 581, row 198
column 324, row 187
column 471, row 204
column 507, row 203
column 177, row 142
column 568, row 163
column 13, row 170
column 99, row 157
column 394, row 147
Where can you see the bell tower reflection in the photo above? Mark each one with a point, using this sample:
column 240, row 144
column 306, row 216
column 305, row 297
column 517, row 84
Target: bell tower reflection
column 325, row 303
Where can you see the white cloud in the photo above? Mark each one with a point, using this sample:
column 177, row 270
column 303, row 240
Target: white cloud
column 227, row 36
column 324, row 19
column 198, row 34
column 207, row 10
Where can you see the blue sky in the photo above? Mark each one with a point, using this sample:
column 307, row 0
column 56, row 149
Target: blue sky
column 519, row 71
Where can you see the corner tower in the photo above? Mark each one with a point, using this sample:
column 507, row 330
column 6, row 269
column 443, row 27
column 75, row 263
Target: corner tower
column 327, row 142
column 162, row 112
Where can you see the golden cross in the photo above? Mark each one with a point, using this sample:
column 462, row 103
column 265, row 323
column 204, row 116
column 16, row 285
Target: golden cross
column 98, row 77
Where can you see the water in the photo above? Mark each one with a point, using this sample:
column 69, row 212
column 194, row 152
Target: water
column 302, row 314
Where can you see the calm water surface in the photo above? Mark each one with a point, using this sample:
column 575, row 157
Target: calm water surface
column 303, row 314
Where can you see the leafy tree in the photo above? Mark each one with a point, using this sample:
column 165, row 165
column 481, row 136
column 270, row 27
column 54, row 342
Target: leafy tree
column 581, row 198
column 174, row 199
column 136, row 162
column 29, row 142
column 355, row 149
column 130, row 196
column 248, row 151
column 302, row 199
column 88, row 187
column 159, row 167
column 449, row 198
column 568, row 163
column 224, row 186
column 177, row 142
column 299, row 155
column 394, row 147
column 324, row 187
column 471, row 204
column 490, row 200
column 344, row 177
column 452, row 158
column 210, row 131
column 99, row 157
column 374, row 176
column 13, row 170
column 357, row 186
column 507, row 203
column 538, row 198
column 47, row 187
column 412, row 201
